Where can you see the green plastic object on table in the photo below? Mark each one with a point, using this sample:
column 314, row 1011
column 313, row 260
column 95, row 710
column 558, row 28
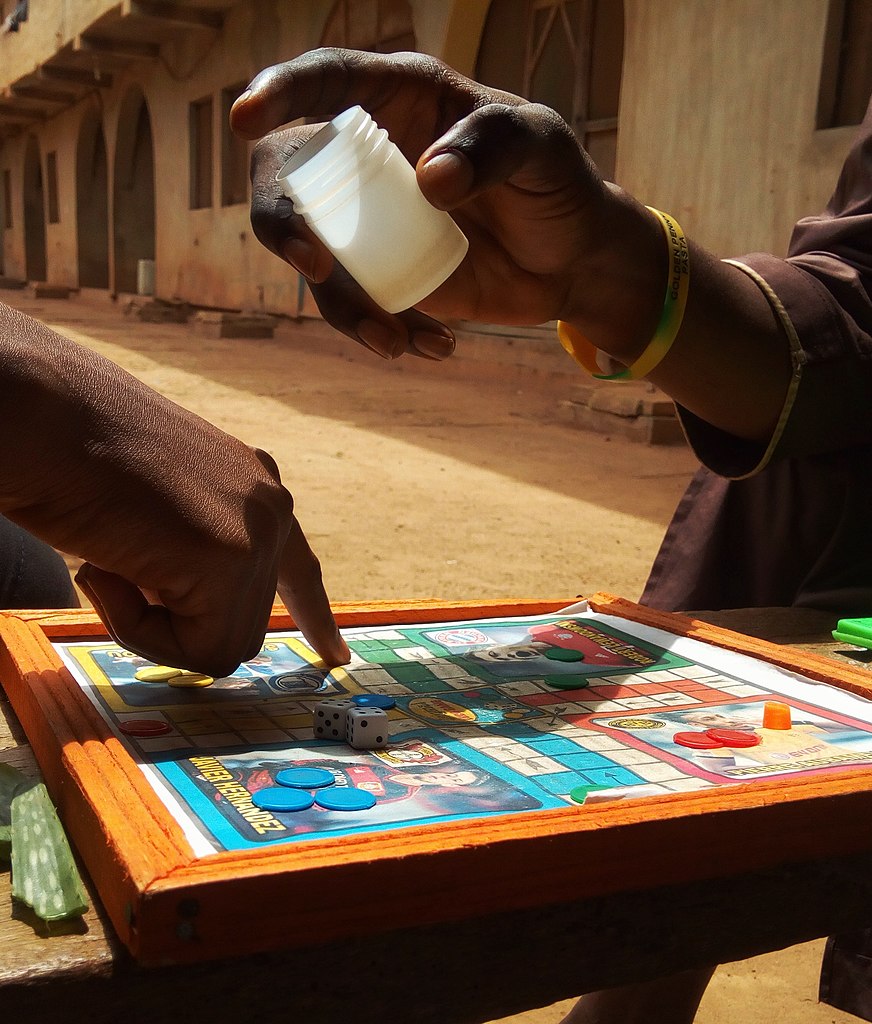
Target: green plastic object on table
column 854, row 631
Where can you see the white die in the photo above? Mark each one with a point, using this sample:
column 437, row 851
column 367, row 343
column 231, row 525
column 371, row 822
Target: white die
column 330, row 716
column 366, row 728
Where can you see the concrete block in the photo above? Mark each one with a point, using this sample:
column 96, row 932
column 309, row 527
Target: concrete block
column 210, row 324
column 606, row 410
column 155, row 311
column 43, row 290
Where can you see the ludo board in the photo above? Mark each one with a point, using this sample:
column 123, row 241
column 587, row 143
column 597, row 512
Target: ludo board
column 503, row 720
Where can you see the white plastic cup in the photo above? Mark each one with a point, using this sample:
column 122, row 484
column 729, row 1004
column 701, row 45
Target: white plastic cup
column 359, row 195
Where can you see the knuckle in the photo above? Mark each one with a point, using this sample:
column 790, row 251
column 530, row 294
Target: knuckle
column 276, row 512
column 285, row 503
column 268, row 463
column 423, row 65
column 272, row 219
column 323, row 56
column 313, row 566
column 546, row 121
column 261, row 153
column 311, row 572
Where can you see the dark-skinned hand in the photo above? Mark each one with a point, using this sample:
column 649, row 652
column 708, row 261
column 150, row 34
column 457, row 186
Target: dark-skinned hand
column 540, row 221
column 186, row 532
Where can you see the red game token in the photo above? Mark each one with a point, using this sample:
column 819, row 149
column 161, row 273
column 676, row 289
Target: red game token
column 734, row 737
column 145, row 727
column 696, row 740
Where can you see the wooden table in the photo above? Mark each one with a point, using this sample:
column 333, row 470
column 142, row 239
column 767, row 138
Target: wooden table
column 477, row 971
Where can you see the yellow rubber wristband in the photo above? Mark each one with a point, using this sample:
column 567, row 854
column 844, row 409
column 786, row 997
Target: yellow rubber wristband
column 678, row 286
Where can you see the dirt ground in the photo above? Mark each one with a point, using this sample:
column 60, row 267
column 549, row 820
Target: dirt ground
column 412, row 481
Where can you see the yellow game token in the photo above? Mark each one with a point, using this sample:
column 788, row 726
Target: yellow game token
column 190, row 679
column 157, row 673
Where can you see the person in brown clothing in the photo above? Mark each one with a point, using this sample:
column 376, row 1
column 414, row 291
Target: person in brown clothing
column 185, row 532
column 770, row 364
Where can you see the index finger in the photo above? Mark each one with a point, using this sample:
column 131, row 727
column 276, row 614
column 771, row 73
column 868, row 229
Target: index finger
column 323, row 83
column 302, row 591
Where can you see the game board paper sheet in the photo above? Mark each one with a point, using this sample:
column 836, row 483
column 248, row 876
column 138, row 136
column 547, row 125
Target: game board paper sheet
column 492, row 717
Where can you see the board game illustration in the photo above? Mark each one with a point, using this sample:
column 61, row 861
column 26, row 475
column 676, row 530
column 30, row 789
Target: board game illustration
column 485, row 717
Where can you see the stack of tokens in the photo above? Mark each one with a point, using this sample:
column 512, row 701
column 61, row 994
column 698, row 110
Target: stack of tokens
column 711, row 739
column 173, row 676
column 293, row 793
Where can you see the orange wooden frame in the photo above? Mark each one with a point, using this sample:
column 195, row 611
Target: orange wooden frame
column 169, row 906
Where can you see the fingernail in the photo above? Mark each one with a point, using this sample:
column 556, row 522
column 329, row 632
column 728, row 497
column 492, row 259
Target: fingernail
column 448, row 161
column 432, row 345
column 381, row 339
column 242, row 97
column 301, row 257
column 448, row 178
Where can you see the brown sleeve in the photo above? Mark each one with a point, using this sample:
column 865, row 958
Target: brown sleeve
column 822, row 295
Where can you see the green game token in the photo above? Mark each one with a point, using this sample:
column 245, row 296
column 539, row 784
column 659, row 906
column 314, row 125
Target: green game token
column 567, row 682
column 563, row 654
column 579, row 794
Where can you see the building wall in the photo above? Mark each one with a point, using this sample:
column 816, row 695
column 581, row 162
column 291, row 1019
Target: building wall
column 717, row 117
column 716, row 126
column 210, row 255
column 50, row 24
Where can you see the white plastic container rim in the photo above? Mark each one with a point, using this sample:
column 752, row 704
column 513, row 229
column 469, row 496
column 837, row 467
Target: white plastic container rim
column 360, row 197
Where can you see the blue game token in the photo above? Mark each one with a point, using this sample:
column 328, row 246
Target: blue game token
column 305, row 778
column 374, row 700
column 279, row 798
column 345, row 800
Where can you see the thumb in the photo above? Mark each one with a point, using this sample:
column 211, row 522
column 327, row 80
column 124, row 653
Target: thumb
column 528, row 143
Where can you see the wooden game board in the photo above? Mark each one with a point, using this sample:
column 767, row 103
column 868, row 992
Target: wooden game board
column 489, row 737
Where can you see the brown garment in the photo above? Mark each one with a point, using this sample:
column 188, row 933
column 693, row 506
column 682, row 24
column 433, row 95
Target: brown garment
column 795, row 529
column 846, row 973
column 799, row 533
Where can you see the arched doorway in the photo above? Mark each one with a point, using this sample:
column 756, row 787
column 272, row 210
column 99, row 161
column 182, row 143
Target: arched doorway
column 34, row 214
column 133, row 192
column 567, row 54
column 92, row 204
column 383, row 26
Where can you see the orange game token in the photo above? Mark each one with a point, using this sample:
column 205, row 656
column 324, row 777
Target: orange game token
column 734, row 737
column 776, row 715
